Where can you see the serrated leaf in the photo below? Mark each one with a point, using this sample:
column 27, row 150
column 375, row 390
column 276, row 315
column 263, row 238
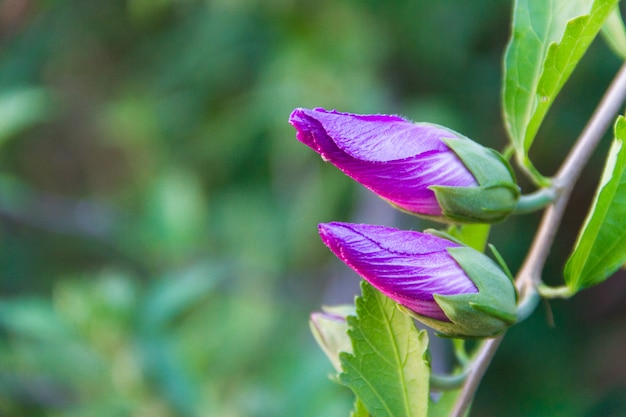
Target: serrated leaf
column 388, row 370
column 601, row 246
column 548, row 39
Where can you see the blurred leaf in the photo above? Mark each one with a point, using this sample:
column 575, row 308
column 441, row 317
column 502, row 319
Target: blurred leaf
column 614, row 33
column 238, row 213
column 32, row 318
column 601, row 246
column 15, row 194
column 147, row 11
column 178, row 293
column 229, row 331
column 549, row 38
column 175, row 219
column 388, row 370
column 22, row 108
column 165, row 367
column 102, row 306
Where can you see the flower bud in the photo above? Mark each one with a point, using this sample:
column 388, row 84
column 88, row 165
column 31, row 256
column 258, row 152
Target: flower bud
column 452, row 288
column 420, row 168
column 330, row 329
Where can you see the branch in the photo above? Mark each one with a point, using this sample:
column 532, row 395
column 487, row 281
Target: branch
column 529, row 275
column 478, row 368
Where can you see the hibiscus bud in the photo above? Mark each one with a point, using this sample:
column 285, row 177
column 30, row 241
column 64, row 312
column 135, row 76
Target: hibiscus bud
column 330, row 329
column 452, row 288
column 421, row 168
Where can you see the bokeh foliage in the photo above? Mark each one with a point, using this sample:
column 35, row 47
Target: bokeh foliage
column 159, row 253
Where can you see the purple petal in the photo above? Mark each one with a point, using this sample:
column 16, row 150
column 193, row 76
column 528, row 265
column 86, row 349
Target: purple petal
column 373, row 138
column 408, row 267
column 391, row 156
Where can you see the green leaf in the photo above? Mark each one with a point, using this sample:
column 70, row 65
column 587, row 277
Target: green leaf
column 388, row 369
column 601, row 246
column 548, row 39
column 473, row 235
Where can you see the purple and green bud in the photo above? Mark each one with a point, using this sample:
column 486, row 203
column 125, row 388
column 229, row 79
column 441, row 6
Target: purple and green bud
column 330, row 329
column 421, row 168
column 452, row 288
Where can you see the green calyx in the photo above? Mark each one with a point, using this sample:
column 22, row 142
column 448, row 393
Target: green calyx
column 497, row 192
column 486, row 313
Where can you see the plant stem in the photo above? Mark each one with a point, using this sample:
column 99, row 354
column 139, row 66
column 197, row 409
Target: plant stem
column 535, row 201
column 593, row 132
column 526, row 164
column 460, row 352
column 481, row 363
column 529, row 275
column 527, row 304
column 448, row 382
column 554, row 292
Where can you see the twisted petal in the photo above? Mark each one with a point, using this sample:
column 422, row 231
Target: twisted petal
column 393, row 157
column 408, row 267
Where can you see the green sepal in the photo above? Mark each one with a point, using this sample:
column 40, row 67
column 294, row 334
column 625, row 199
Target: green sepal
column 476, row 204
column 487, row 165
column 507, row 318
column 501, row 262
column 486, row 313
column 444, row 235
column 443, row 328
column 497, row 192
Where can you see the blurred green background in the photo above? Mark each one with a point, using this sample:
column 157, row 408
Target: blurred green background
column 158, row 244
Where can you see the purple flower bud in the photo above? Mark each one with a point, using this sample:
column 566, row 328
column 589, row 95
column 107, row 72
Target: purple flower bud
column 397, row 159
column 408, row 267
